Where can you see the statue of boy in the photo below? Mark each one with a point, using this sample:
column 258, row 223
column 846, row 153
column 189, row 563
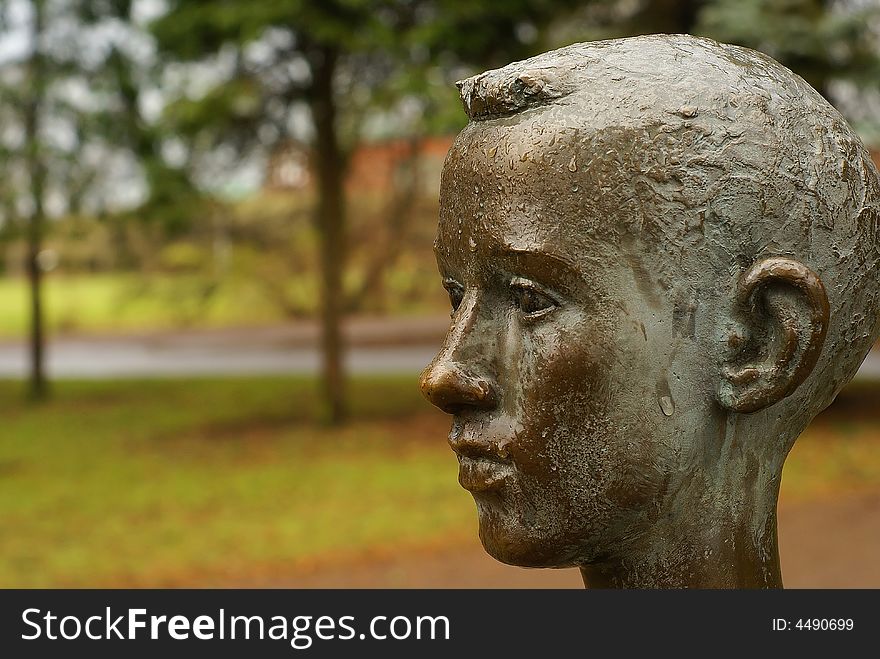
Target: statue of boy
column 662, row 257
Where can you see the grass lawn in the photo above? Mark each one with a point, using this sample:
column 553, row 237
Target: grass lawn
column 118, row 303
column 214, row 481
column 223, row 481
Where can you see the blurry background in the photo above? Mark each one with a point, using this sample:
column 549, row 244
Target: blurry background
column 217, row 286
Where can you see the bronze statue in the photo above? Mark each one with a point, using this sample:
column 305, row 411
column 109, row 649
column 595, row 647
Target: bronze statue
column 662, row 258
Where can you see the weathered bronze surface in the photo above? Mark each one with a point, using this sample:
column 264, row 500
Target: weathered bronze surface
column 662, row 258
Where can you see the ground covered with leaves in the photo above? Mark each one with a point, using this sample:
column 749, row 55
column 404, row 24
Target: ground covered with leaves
column 215, row 482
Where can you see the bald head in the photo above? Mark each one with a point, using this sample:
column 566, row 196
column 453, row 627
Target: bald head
column 712, row 156
column 661, row 255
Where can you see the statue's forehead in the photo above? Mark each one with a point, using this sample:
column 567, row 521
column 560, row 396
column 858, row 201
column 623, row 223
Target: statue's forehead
column 536, row 135
column 522, row 225
column 527, row 181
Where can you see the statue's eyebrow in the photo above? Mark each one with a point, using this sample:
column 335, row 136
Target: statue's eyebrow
column 540, row 264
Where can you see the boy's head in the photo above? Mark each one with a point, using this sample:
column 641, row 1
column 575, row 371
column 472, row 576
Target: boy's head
column 662, row 256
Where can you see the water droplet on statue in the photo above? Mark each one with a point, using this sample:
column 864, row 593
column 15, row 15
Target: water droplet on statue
column 491, row 153
column 667, row 406
column 572, row 166
column 472, row 244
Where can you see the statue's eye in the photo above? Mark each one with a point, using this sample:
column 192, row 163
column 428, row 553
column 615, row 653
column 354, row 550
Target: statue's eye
column 530, row 299
column 456, row 293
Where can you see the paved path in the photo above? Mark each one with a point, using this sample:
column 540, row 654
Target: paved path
column 72, row 359
column 377, row 346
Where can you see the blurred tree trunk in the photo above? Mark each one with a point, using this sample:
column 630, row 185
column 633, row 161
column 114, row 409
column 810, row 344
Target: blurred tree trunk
column 376, row 45
column 329, row 167
column 37, row 174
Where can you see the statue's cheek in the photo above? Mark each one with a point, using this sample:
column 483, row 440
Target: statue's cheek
column 563, row 395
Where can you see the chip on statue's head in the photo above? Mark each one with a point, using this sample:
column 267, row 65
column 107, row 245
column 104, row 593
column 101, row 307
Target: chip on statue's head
column 660, row 256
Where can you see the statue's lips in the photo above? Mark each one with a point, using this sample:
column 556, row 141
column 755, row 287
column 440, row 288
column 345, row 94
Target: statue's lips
column 482, row 474
column 484, row 463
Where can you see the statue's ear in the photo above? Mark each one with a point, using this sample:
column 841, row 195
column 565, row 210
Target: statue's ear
column 780, row 311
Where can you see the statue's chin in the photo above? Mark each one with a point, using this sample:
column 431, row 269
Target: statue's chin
column 523, row 549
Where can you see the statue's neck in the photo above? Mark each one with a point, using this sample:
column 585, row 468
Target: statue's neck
column 728, row 544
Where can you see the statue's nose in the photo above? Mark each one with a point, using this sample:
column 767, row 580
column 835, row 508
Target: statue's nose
column 446, row 385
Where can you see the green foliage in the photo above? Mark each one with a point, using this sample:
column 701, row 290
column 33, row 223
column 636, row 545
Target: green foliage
column 191, row 29
column 222, row 109
column 257, row 89
column 813, row 38
column 68, row 89
column 489, row 34
column 390, row 50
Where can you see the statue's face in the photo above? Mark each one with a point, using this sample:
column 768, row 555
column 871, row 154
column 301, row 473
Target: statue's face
column 557, row 363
